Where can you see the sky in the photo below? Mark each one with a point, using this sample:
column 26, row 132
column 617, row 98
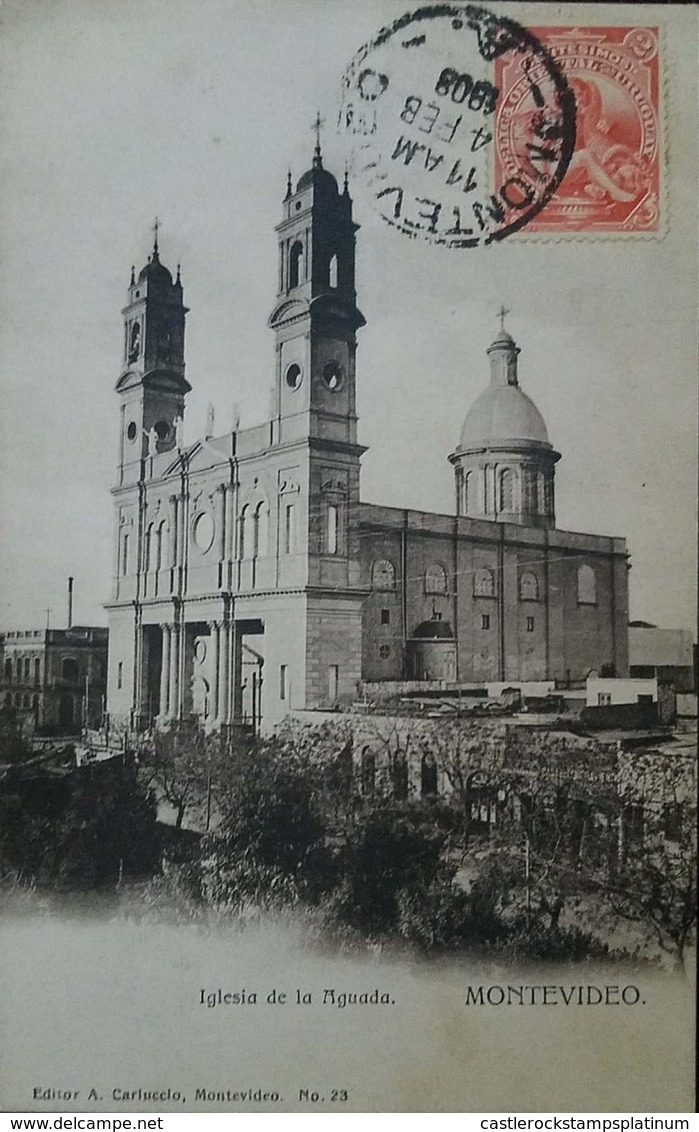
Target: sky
column 192, row 110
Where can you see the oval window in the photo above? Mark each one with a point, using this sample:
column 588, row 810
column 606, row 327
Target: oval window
column 132, row 431
column 293, row 376
column 204, row 530
column 332, row 376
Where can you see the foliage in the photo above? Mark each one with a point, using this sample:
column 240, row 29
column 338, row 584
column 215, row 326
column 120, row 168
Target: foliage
column 393, row 876
column 185, row 767
column 270, row 845
column 82, row 830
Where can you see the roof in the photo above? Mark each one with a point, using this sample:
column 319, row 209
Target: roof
column 502, row 413
column 155, row 270
column 434, row 629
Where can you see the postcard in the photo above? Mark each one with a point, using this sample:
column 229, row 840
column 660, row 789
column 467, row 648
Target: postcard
column 348, row 675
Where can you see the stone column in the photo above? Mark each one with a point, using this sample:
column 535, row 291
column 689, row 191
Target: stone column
column 221, row 509
column 165, row 673
column 223, row 674
column 173, row 530
column 174, row 682
column 215, row 638
column 236, row 672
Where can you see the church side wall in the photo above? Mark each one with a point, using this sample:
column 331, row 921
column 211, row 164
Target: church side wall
column 120, row 677
column 333, row 650
column 531, row 626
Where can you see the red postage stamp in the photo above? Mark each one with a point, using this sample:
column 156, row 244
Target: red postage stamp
column 612, row 183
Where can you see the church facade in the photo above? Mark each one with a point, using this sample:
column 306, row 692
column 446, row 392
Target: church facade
column 250, row 580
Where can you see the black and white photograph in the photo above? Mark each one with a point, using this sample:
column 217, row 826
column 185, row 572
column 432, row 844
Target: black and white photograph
column 348, row 662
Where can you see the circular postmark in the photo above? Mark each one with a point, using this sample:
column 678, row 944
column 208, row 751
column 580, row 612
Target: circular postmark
column 421, row 106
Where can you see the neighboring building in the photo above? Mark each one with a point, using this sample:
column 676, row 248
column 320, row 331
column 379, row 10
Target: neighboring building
column 601, row 691
column 246, row 566
column 59, row 675
column 668, row 654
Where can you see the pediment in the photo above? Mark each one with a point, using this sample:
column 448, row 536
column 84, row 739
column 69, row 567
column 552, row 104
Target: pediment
column 288, row 311
column 128, row 380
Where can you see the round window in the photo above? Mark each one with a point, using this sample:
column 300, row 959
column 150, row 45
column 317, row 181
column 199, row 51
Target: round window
column 384, row 651
column 332, row 376
column 204, row 530
column 132, row 431
column 200, row 650
column 293, row 376
column 162, row 428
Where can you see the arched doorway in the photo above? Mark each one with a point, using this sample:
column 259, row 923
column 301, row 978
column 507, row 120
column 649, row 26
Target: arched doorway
column 66, row 711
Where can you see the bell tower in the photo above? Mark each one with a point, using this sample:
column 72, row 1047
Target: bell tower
column 316, row 317
column 152, row 384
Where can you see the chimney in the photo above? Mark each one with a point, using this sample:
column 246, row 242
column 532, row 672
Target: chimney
column 70, row 603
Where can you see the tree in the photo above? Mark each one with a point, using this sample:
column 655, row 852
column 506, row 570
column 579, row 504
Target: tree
column 185, row 767
column 654, row 883
column 393, row 875
column 81, row 829
column 270, row 845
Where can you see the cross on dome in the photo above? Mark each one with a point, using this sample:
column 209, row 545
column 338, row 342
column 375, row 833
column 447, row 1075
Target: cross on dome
column 501, row 315
column 156, row 227
column 317, row 124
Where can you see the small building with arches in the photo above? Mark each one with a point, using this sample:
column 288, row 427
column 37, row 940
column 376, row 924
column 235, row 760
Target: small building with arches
column 56, row 676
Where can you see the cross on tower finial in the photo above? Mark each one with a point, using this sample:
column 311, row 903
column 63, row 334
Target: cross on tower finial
column 156, row 226
column 317, row 160
column 501, row 315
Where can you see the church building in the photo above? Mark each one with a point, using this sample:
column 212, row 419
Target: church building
column 250, row 581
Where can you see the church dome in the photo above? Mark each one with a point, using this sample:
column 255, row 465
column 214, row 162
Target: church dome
column 155, row 271
column 318, row 178
column 503, row 414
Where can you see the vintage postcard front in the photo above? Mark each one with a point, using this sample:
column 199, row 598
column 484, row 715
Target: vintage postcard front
column 348, row 675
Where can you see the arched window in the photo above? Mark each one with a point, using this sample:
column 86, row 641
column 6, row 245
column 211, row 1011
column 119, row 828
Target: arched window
column 529, row 586
column 259, row 536
column 368, row 772
column 507, row 490
column 436, row 580
column 125, row 554
column 529, row 489
column 295, row 264
column 332, row 272
column 289, row 540
column 331, row 529
column 161, row 547
column 69, row 669
column 135, row 343
column 467, row 498
column 484, row 583
column 243, row 532
column 8, row 671
column 428, row 775
column 344, row 770
column 383, row 575
column 587, row 585
column 541, row 493
column 148, row 549
column 37, row 670
column 399, row 776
